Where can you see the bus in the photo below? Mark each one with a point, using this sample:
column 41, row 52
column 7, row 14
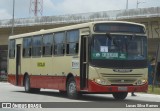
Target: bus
column 95, row 57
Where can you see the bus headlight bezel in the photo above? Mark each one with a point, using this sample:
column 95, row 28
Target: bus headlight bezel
column 101, row 81
column 141, row 82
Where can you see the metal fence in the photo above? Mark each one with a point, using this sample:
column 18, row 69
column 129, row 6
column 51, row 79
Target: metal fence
column 84, row 17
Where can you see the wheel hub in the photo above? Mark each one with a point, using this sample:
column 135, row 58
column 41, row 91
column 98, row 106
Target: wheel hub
column 72, row 87
column 27, row 85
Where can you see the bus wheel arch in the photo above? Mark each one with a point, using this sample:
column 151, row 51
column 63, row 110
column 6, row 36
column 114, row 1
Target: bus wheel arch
column 70, row 75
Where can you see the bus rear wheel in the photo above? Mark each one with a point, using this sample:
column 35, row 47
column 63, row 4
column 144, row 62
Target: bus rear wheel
column 120, row 95
column 28, row 88
column 71, row 89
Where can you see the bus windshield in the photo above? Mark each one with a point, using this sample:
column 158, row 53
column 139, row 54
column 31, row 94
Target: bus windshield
column 118, row 47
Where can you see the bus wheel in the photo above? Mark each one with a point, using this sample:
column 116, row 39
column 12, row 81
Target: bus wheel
column 27, row 84
column 71, row 89
column 120, row 95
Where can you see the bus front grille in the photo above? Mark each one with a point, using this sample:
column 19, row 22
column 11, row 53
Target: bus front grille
column 121, row 81
column 121, row 78
column 121, row 75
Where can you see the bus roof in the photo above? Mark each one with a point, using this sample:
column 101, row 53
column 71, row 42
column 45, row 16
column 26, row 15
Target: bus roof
column 76, row 26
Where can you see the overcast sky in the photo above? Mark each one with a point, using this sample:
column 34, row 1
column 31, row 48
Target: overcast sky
column 61, row 7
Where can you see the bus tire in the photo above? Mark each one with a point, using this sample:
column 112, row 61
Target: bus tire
column 27, row 84
column 120, row 95
column 71, row 89
column 28, row 88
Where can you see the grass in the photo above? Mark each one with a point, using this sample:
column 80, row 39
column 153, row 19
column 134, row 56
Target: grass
column 156, row 90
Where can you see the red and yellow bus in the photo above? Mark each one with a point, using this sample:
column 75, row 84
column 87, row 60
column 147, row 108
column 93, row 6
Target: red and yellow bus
column 95, row 57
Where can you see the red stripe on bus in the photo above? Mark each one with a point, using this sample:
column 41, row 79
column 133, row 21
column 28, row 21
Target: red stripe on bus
column 12, row 79
column 48, row 82
column 41, row 81
column 59, row 82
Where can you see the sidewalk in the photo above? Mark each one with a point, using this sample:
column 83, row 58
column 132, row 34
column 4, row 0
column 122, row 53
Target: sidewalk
column 147, row 95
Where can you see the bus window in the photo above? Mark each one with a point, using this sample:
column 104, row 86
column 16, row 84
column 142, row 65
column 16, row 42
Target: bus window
column 11, row 48
column 27, row 47
column 36, row 45
column 136, row 48
column 47, row 44
column 72, row 42
column 59, row 40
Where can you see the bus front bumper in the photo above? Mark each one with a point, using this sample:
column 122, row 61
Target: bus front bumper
column 97, row 88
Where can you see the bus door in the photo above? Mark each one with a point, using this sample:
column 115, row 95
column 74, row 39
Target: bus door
column 84, row 62
column 18, row 62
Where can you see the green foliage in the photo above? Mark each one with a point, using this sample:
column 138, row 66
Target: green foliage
column 156, row 90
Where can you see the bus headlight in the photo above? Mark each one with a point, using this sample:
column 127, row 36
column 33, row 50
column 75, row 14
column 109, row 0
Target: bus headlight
column 141, row 82
column 101, row 81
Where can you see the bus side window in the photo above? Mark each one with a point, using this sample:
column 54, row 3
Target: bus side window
column 47, row 44
column 67, row 49
column 77, row 47
column 59, row 40
column 30, row 49
column 27, row 47
column 11, row 48
column 37, row 45
column 72, row 42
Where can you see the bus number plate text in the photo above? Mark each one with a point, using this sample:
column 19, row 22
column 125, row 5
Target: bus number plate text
column 122, row 88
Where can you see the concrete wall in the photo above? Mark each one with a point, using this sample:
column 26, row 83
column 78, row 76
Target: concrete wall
column 4, row 39
column 152, row 26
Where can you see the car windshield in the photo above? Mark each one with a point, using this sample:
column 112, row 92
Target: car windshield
column 119, row 47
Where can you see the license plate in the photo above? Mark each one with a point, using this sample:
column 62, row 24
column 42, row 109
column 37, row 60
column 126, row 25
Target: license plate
column 122, row 88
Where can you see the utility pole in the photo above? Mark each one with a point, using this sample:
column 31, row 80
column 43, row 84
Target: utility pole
column 12, row 33
column 137, row 3
column 126, row 4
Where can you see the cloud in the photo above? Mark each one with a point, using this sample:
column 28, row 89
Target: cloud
column 61, row 7
column 49, row 8
column 5, row 15
column 82, row 6
column 21, row 8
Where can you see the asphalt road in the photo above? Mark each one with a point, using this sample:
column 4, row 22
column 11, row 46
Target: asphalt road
column 10, row 93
